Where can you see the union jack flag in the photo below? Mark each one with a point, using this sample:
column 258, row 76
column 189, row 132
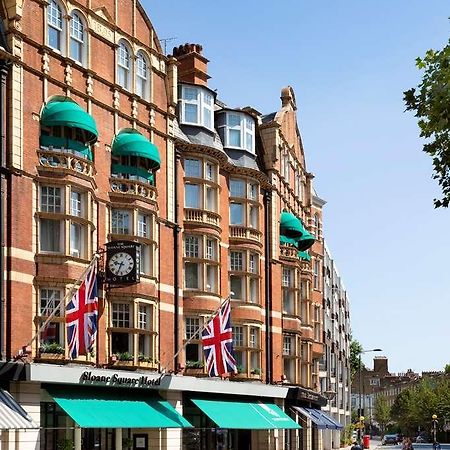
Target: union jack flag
column 218, row 342
column 82, row 316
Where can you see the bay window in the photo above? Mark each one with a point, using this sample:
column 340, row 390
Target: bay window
column 65, row 223
column 244, row 205
column 193, row 350
column 196, row 106
column 201, row 263
column 200, row 184
column 291, row 358
column 290, row 291
column 237, row 130
column 244, row 276
column 50, row 303
column 132, row 328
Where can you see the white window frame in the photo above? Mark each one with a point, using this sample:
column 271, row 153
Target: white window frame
column 78, row 35
column 201, row 103
column 124, row 51
column 143, row 75
column 244, row 129
column 56, row 13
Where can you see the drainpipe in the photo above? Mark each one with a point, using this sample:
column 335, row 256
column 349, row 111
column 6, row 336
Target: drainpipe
column 268, row 285
column 176, row 268
column 3, row 174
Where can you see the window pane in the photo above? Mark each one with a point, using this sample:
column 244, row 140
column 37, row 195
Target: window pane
column 55, row 24
column 253, row 191
column 76, row 37
column 190, row 94
column 192, row 196
column 254, row 210
column 54, row 38
column 191, row 247
column 253, row 290
column 75, row 203
column 50, row 302
column 211, row 278
column 120, row 221
column 145, row 348
column 236, row 214
column 145, row 318
column 233, row 120
column 192, row 168
column 121, row 315
column 210, row 173
column 191, row 275
column 145, row 260
column 190, row 113
column 51, row 199
column 238, row 336
column 236, row 261
column 211, row 195
column 237, row 286
column 249, row 141
column 124, row 64
column 234, row 138
column 237, row 188
column 211, row 250
column 141, row 75
column 191, row 327
column 207, row 117
column 143, row 226
column 76, row 240
column 50, row 235
column 120, row 342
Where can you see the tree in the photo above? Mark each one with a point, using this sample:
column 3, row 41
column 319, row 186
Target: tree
column 431, row 103
column 382, row 412
column 355, row 350
column 447, row 369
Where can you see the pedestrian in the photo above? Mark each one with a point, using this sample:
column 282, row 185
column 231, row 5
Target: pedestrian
column 355, row 446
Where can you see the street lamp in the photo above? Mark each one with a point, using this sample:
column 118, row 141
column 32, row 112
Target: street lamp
column 361, row 424
column 434, row 423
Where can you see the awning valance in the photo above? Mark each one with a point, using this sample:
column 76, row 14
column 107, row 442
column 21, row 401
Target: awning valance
column 107, row 408
column 63, row 111
column 12, row 415
column 245, row 415
column 129, row 142
column 318, row 418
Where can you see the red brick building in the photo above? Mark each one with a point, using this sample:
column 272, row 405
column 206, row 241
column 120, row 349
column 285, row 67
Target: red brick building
column 107, row 139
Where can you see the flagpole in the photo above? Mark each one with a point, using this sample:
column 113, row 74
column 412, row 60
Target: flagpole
column 200, row 329
column 62, row 303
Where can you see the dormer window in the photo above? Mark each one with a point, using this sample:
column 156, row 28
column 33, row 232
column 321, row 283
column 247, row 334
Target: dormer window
column 237, row 130
column 196, row 106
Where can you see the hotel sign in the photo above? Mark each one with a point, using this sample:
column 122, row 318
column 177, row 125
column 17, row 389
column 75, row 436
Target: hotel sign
column 120, row 380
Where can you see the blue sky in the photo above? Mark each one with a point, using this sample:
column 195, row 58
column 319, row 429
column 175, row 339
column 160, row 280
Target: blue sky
column 349, row 63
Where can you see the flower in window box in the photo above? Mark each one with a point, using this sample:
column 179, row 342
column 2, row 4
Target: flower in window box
column 51, row 351
column 125, row 356
column 194, row 368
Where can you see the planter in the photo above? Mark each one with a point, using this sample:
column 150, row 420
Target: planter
column 123, row 364
column 52, row 357
column 255, row 376
column 194, row 371
column 147, row 365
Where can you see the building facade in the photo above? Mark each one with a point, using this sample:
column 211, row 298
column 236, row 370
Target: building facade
column 108, row 140
column 334, row 366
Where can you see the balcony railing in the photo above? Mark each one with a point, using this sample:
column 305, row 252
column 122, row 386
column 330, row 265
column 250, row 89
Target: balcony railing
column 288, row 252
column 61, row 159
column 133, row 187
column 201, row 216
column 250, row 234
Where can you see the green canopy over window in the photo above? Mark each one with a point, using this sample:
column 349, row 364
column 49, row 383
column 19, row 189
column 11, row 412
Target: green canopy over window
column 68, row 144
column 63, row 111
column 129, row 142
column 137, row 171
column 246, row 415
column 304, row 255
column 111, row 408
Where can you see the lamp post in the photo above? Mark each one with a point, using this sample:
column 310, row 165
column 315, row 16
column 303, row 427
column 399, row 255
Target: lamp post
column 360, row 411
column 434, row 423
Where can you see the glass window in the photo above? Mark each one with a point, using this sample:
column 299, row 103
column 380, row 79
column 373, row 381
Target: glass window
column 211, row 195
column 193, row 168
column 191, row 328
column 253, row 263
column 142, row 76
column 237, row 287
column 144, row 317
column 76, row 203
column 55, row 25
column 238, row 336
column 50, row 236
column 191, row 247
column 191, row 195
column 51, row 200
column 254, row 283
column 77, row 37
column 252, row 191
column 210, row 173
column 191, row 100
column 236, row 214
column 207, row 109
column 236, row 261
column 50, row 302
column 123, row 65
column 237, row 188
column 249, row 133
column 191, row 275
column 145, row 259
column 76, row 240
column 197, row 105
column 143, row 226
column 211, row 278
column 253, row 337
column 254, row 212
column 121, row 315
column 120, row 221
column 211, row 249
column 287, row 345
column 234, row 130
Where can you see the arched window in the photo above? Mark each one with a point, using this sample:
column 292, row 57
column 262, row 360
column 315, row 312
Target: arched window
column 142, row 76
column 77, row 38
column 124, row 65
column 55, row 26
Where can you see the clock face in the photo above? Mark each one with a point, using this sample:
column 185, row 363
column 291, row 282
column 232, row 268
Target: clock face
column 121, row 264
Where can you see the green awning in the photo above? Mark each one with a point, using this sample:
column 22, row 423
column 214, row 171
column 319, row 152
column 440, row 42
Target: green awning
column 129, row 142
column 63, row 111
column 245, row 415
column 290, row 226
column 304, row 255
column 306, row 240
column 111, row 408
column 287, row 240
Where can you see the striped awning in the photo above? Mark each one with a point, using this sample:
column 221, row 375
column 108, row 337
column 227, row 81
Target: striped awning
column 12, row 415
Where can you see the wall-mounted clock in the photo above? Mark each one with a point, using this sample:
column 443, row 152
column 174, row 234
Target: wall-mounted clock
column 122, row 262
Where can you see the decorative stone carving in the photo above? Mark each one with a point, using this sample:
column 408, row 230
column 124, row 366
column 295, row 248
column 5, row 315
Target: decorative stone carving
column 116, row 99
column 134, row 109
column 152, row 117
column 68, row 75
column 45, row 63
column 89, row 85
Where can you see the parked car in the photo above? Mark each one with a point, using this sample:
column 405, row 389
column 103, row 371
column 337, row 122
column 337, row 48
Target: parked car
column 421, row 439
column 389, row 439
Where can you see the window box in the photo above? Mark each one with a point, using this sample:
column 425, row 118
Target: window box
column 51, row 352
column 196, row 368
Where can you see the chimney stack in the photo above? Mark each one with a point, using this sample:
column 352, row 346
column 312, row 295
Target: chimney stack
column 380, row 365
column 193, row 66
